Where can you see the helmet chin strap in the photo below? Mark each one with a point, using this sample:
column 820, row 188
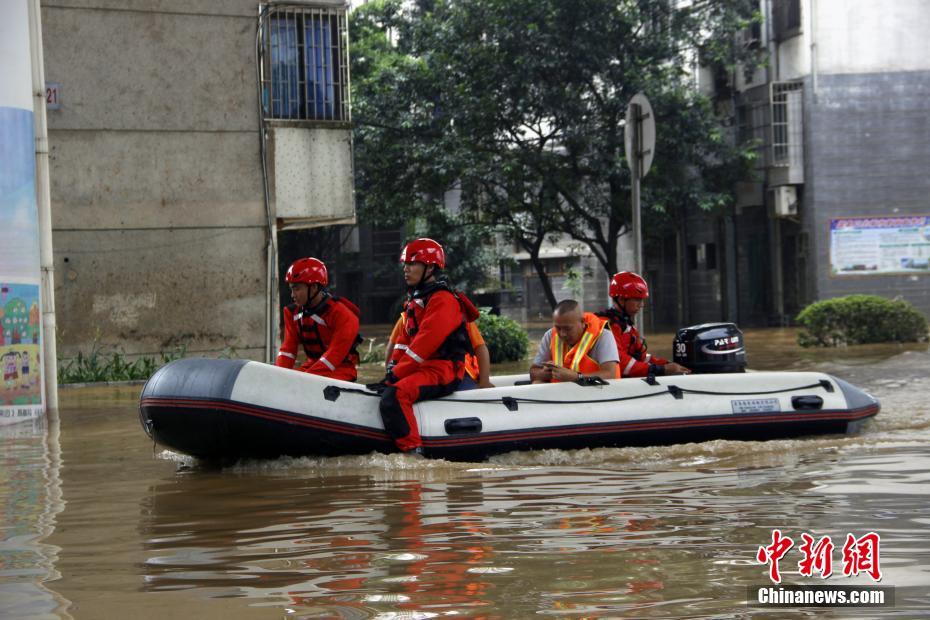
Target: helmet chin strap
column 318, row 296
column 423, row 277
column 621, row 307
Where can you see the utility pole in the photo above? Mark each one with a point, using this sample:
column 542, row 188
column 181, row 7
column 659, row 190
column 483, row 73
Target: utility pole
column 639, row 141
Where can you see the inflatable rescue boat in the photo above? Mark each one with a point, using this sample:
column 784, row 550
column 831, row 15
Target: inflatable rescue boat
column 232, row 409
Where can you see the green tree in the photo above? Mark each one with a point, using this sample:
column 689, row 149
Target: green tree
column 521, row 103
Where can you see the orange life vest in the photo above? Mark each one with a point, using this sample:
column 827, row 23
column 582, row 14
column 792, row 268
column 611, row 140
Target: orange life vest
column 471, row 366
column 577, row 357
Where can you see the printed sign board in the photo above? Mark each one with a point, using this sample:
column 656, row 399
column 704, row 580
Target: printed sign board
column 880, row 245
column 21, row 388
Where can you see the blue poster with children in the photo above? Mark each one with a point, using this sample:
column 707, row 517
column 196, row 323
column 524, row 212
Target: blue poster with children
column 21, row 391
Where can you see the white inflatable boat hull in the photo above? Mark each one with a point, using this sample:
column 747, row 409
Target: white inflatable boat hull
column 230, row 409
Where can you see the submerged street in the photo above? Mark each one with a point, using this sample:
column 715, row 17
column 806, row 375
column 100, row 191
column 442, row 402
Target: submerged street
column 100, row 523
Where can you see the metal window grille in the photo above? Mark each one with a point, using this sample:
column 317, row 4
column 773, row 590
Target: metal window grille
column 305, row 63
column 787, row 139
column 786, row 19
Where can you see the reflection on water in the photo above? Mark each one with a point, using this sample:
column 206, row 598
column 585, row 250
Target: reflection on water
column 30, row 499
column 363, row 536
column 641, row 532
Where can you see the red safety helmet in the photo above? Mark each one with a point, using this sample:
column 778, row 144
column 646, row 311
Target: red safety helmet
column 424, row 251
column 628, row 285
column 307, row 270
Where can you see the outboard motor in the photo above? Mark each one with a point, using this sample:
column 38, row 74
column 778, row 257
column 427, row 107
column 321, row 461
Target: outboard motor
column 710, row 348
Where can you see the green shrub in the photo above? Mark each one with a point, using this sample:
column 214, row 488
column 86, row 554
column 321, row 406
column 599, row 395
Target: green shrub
column 98, row 365
column 860, row 319
column 371, row 353
column 506, row 339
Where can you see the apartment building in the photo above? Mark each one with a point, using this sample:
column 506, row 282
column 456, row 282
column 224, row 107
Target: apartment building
column 840, row 204
column 187, row 140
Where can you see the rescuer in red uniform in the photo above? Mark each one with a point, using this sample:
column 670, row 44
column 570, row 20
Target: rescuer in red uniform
column 428, row 357
column 477, row 366
column 628, row 292
column 326, row 326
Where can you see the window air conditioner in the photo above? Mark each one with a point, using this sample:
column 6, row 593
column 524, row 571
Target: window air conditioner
column 785, row 198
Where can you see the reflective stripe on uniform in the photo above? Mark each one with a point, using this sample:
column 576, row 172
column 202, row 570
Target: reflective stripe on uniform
column 416, row 357
column 584, row 345
column 581, row 348
column 286, row 354
column 629, row 365
column 328, row 363
column 318, row 319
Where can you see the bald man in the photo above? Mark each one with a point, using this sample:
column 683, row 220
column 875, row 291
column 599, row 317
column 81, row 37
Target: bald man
column 579, row 344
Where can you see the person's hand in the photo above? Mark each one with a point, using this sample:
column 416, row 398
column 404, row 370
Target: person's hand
column 540, row 374
column 485, row 384
column 560, row 373
column 377, row 388
column 676, row 369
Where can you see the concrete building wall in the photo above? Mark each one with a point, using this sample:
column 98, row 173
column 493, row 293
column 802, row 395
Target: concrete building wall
column 864, row 70
column 863, row 36
column 867, row 120
column 856, row 36
column 157, row 200
column 868, row 155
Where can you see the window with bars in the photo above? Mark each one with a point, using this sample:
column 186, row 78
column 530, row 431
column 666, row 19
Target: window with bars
column 787, row 137
column 305, row 63
column 771, row 116
column 786, row 19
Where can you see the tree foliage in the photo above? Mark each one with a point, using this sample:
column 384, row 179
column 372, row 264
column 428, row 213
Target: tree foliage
column 520, row 104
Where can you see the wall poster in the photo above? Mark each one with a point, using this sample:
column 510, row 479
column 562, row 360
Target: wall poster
column 21, row 388
column 880, row 245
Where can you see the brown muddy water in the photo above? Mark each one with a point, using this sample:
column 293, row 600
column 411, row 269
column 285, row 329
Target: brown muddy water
column 99, row 523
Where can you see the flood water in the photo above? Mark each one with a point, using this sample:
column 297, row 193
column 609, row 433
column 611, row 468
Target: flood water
column 99, row 523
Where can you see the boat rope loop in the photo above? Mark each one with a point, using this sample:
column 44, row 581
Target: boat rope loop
column 332, row 392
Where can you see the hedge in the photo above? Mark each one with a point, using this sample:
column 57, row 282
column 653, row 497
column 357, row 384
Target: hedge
column 506, row 339
column 860, row 319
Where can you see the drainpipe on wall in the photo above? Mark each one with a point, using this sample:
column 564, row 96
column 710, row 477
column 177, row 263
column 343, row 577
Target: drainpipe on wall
column 43, row 201
column 271, row 295
column 813, row 11
column 271, row 250
column 771, row 67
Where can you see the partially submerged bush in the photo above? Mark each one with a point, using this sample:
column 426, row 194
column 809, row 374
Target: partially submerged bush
column 100, row 365
column 371, row 353
column 860, row 319
column 506, row 340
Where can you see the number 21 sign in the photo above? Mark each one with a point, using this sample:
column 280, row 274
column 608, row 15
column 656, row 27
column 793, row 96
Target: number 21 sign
column 53, row 95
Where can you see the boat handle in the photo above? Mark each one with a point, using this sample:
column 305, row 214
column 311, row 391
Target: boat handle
column 457, row 426
column 808, row 402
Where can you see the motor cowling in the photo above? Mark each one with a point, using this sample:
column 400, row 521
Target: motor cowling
column 710, row 348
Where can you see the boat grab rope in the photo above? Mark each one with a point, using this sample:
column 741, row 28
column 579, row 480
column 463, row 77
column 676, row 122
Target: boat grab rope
column 332, row 392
